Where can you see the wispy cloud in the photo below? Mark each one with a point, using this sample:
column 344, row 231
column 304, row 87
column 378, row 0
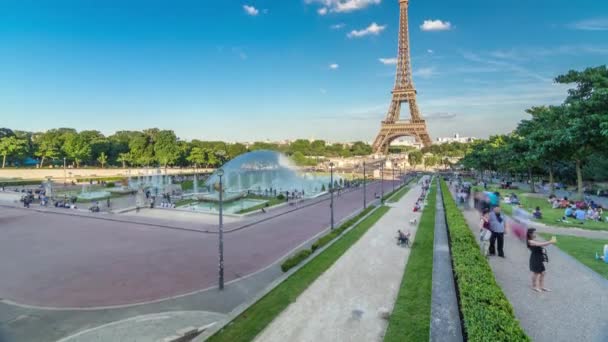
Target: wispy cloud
column 596, row 24
column 388, row 61
column 239, row 52
column 337, row 26
column 504, row 65
column 340, row 6
column 439, row 116
column 334, row 66
column 436, row 25
column 429, row 51
column 250, row 10
column 323, row 91
column 425, row 72
column 373, row 29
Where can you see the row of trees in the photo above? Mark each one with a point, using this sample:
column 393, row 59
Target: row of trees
column 569, row 140
column 149, row 147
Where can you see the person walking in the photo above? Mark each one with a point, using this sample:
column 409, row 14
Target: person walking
column 497, row 226
column 538, row 257
column 484, row 232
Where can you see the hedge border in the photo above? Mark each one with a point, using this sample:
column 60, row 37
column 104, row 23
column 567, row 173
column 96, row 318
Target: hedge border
column 486, row 312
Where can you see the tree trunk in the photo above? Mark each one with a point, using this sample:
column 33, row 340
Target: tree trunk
column 533, row 190
column 124, row 164
column 551, row 181
column 41, row 162
column 579, row 178
column 3, row 160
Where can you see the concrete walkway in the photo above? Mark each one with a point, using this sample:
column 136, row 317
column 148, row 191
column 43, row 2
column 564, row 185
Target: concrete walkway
column 576, row 310
column 346, row 302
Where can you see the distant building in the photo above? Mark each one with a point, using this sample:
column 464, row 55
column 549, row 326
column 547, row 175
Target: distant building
column 404, row 141
column 455, row 138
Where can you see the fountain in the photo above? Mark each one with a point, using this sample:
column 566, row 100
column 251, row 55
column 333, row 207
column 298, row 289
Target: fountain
column 92, row 195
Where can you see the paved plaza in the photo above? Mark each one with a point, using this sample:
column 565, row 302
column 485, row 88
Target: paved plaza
column 106, row 264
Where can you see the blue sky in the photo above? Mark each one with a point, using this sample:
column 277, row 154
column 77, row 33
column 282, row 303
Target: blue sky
column 276, row 69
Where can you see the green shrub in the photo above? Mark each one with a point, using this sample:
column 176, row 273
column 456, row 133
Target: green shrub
column 280, row 197
column 487, row 314
column 295, row 259
column 9, row 184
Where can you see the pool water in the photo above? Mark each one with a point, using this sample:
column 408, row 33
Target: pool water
column 229, row 208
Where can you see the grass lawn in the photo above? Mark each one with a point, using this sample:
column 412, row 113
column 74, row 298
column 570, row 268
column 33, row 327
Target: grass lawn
column 183, row 202
column 272, row 201
column 253, row 320
column 411, row 316
column 550, row 215
column 583, row 250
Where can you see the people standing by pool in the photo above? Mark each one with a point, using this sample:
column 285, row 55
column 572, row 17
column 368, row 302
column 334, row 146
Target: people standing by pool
column 538, row 257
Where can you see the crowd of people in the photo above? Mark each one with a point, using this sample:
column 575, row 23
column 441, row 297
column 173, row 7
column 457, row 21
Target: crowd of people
column 578, row 210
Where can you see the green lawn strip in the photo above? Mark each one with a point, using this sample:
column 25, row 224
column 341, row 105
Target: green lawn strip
column 550, row 216
column 272, row 201
column 253, row 320
column 583, row 250
column 411, row 316
column 184, row 202
column 487, row 314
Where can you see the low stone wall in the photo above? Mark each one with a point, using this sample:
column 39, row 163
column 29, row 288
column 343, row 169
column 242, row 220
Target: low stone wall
column 58, row 173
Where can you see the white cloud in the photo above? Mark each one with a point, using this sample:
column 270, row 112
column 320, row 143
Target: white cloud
column 435, row 25
column 373, row 29
column 337, row 26
column 430, row 51
column 597, row 24
column 322, row 11
column 388, row 61
column 239, row 52
column 250, row 10
column 334, row 66
column 265, row 11
column 342, row 6
column 425, row 72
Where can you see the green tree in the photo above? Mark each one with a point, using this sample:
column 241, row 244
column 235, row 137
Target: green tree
column 300, row 145
column 166, row 149
column 141, row 149
column 10, row 146
column 197, row 156
column 318, row 148
column 48, row 146
column 235, row 150
column 124, row 158
column 76, row 148
column 586, row 115
column 414, row 158
column 102, row 159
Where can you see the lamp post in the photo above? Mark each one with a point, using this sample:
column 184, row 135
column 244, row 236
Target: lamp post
column 393, row 167
column 382, row 181
column 364, row 192
column 65, row 177
column 220, row 173
column 331, row 192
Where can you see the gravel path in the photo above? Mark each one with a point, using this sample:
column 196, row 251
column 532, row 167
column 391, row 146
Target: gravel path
column 345, row 303
column 576, row 310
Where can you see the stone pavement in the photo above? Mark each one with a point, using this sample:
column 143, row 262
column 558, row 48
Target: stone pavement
column 576, row 310
column 346, row 302
column 146, row 328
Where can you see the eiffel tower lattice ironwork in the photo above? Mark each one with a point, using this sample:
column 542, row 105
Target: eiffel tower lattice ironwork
column 392, row 127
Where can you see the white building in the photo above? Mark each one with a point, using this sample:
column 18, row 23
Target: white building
column 455, row 138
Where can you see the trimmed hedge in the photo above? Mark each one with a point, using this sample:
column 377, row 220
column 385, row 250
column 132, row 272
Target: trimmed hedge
column 295, row 259
column 99, row 179
column 324, row 240
column 8, row 184
column 487, row 314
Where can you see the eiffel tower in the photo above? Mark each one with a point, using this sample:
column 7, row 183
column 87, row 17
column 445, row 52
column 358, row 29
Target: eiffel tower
column 392, row 127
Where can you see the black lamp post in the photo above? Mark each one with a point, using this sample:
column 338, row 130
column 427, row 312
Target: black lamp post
column 220, row 173
column 331, row 192
column 364, row 192
column 382, row 181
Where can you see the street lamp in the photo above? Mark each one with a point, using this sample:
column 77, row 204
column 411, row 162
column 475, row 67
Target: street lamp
column 65, row 177
column 364, row 192
column 382, row 181
column 220, row 173
column 331, row 192
column 393, row 167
